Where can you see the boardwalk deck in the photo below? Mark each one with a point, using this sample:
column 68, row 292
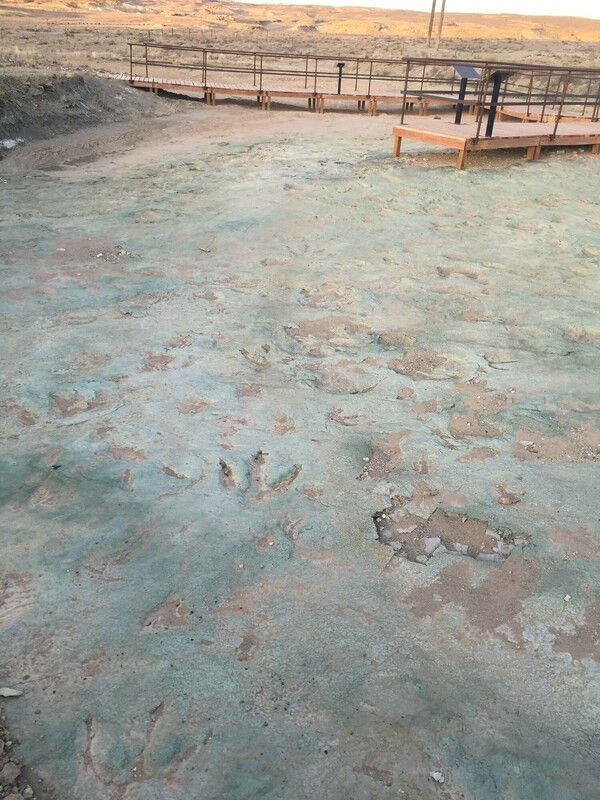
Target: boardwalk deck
column 506, row 136
column 316, row 96
column 535, row 111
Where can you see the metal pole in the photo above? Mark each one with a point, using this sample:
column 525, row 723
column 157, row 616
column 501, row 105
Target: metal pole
column 261, row 72
column 146, row 56
column 316, row 69
column 431, row 18
column 460, row 104
column 481, row 100
column 340, row 66
column 370, row 76
column 130, row 62
column 529, row 94
column 440, row 25
column 596, row 110
column 587, row 97
column 546, row 96
column 405, row 90
column 356, row 79
column 567, row 80
column 306, row 73
column 254, row 71
column 493, row 104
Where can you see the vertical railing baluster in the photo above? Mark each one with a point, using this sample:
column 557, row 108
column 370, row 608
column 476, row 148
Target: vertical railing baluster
column 567, row 80
column 405, row 90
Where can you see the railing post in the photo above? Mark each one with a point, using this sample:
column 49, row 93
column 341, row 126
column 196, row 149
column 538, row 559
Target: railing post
column 130, row 62
column 546, row 96
column 340, row 66
column 481, row 99
column 405, row 90
column 587, row 95
column 370, row 77
column 567, row 80
column 316, row 70
column 497, row 83
column 460, row 101
column 146, row 57
column 529, row 94
column 596, row 110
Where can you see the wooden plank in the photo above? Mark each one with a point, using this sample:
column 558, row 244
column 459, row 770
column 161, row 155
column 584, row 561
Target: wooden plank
column 443, row 139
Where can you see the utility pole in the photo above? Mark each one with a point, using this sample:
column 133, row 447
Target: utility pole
column 440, row 25
column 431, row 18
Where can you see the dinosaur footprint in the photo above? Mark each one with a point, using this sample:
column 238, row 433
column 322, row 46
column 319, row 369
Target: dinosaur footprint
column 258, row 483
column 95, row 777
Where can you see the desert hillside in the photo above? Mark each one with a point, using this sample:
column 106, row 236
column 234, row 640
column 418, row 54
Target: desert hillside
column 86, row 36
column 304, row 18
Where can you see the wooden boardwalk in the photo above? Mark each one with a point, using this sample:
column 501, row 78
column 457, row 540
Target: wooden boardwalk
column 316, row 98
column 535, row 112
column 506, row 136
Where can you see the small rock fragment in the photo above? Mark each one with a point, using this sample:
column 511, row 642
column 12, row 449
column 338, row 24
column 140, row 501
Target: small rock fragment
column 437, row 777
column 5, row 691
column 9, row 773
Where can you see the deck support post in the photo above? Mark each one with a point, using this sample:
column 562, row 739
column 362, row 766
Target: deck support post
column 397, row 144
column 497, row 82
column 460, row 160
column 461, row 101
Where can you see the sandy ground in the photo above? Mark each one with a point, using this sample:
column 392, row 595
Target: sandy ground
column 299, row 463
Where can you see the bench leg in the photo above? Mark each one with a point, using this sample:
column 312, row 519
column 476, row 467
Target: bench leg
column 396, row 146
column 460, row 160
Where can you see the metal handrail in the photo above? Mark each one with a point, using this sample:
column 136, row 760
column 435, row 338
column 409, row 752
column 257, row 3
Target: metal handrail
column 434, row 77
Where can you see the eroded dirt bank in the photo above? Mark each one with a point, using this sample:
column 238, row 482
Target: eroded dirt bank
column 44, row 105
column 239, row 355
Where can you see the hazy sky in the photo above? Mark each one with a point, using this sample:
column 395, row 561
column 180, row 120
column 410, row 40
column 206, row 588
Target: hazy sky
column 572, row 8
